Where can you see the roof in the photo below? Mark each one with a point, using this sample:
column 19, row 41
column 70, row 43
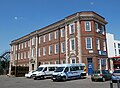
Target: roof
column 59, row 23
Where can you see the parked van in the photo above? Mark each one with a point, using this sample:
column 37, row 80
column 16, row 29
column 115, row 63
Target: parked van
column 69, row 71
column 44, row 71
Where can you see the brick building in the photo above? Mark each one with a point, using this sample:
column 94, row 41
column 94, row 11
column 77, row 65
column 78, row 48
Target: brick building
column 80, row 37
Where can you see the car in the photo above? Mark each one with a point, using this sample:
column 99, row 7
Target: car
column 102, row 75
column 116, row 75
column 29, row 74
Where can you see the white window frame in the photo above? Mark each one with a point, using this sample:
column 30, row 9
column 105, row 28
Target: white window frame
column 24, row 55
column 19, row 47
column 56, row 34
column 12, row 48
column 98, row 43
column 28, row 54
column 71, row 49
column 44, row 38
column 33, row 50
column 104, row 45
column 33, row 41
column 56, row 50
column 22, row 45
column 18, row 56
column 87, row 42
column 28, row 43
column 96, row 26
column 16, row 47
column 103, row 29
column 89, row 23
column 25, row 44
column 70, row 29
column 50, row 50
column 63, row 32
column 40, row 39
column 39, row 52
column 21, row 55
column 50, row 36
column 44, row 51
column 63, row 47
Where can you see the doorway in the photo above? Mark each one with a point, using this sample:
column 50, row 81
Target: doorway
column 90, row 66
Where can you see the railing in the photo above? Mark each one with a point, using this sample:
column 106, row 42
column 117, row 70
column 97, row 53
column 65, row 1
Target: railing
column 5, row 55
column 118, row 84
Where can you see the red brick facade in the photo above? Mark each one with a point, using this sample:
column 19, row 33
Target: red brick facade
column 78, row 29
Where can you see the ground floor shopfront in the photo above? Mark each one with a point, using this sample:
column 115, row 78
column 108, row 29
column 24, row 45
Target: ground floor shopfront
column 92, row 63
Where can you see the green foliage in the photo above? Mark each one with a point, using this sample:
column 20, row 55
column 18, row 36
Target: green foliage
column 4, row 65
column 1, row 69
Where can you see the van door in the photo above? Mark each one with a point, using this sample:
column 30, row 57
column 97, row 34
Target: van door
column 45, row 71
column 66, row 71
column 50, row 70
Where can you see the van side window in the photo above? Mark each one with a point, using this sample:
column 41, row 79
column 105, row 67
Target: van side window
column 51, row 68
column 66, row 69
column 77, row 68
column 72, row 69
column 45, row 69
column 82, row 67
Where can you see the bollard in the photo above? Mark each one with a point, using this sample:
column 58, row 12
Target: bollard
column 118, row 84
column 111, row 84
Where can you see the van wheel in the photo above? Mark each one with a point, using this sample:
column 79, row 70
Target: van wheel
column 35, row 78
column 42, row 77
column 64, row 78
column 103, row 79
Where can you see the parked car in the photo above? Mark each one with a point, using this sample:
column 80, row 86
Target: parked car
column 116, row 75
column 102, row 75
column 29, row 74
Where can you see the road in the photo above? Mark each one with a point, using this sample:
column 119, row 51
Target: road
column 21, row 82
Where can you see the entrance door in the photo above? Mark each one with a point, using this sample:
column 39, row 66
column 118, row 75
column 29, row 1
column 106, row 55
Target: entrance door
column 73, row 60
column 32, row 66
column 90, row 66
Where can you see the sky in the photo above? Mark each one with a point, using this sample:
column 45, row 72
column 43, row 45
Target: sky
column 20, row 17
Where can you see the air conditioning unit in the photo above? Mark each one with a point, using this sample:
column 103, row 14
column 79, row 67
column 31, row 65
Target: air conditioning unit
column 98, row 30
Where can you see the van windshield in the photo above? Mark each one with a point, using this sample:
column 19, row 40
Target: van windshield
column 59, row 69
column 39, row 69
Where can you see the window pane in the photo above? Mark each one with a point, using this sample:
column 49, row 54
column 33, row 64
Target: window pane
column 87, row 25
column 118, row 45
column 71, row 28
column 88, row 43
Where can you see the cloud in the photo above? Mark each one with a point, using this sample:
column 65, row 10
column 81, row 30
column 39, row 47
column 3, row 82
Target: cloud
column 91, row 3
column 18, row 18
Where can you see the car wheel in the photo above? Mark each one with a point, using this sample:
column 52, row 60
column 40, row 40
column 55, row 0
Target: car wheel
column 92, row 80
column 64, row 78
column 103, row 79
column 53, row 80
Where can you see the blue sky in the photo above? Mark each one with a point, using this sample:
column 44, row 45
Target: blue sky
column 20, row 17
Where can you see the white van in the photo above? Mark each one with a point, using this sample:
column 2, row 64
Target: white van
column 69, row 71
column 44, row 71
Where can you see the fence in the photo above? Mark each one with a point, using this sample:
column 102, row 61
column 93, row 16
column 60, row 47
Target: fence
column 19, row 71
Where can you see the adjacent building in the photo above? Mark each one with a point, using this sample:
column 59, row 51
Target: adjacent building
column 78, row 38
column 113, row 47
